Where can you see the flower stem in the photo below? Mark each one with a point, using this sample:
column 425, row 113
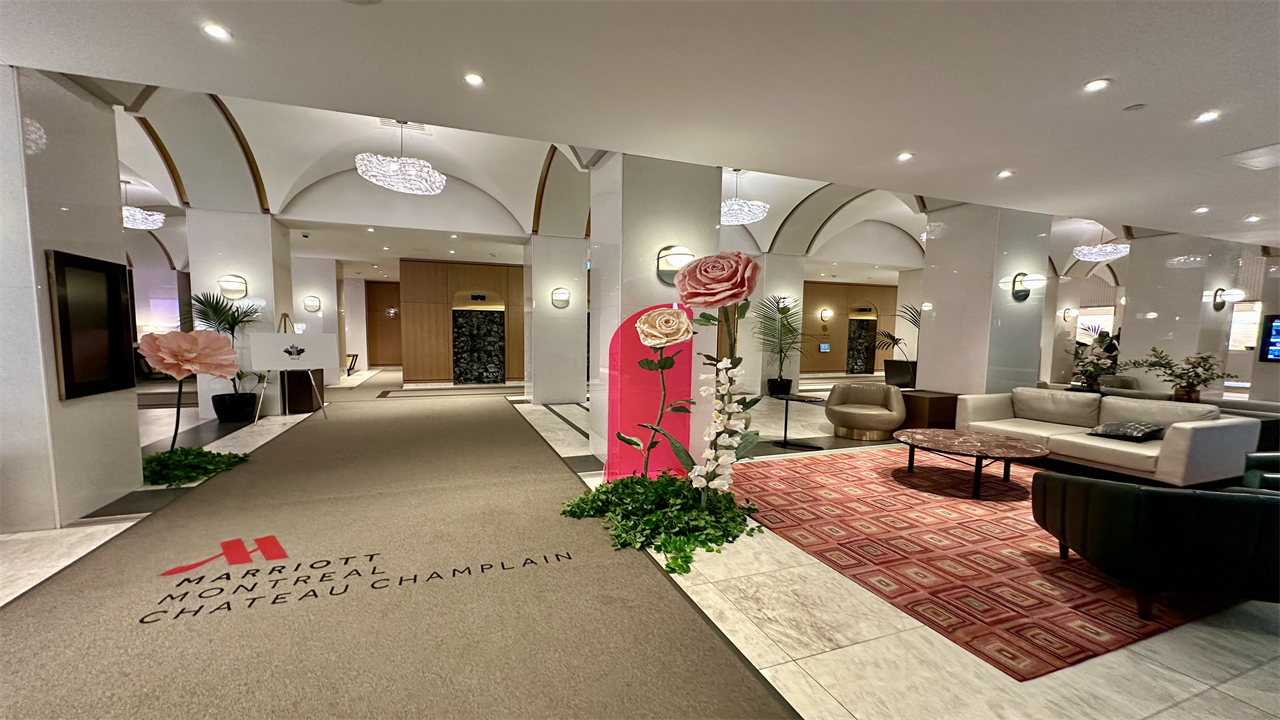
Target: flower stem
column 177, row 417
column 662, row 408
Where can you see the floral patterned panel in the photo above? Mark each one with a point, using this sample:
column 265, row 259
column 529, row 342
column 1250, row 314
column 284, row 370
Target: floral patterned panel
column 479, row 346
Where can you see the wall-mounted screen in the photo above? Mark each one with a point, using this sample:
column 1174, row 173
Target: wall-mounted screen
column 824, row 347
column 1269, row 347
column 93, row 337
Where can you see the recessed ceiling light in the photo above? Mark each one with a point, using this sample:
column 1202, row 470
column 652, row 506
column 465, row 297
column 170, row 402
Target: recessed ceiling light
column 1043, row 235
column 455, row 237
column 1004, row 174
column 1253, row 218
column 717, row 227
column 905, row 156
column 473, row 79
column 877, row 266
column 216, row 31
column 1208, row 116
column 833, row 264
column 386, row 248
column 369, row 229
column 452, row 252
column 1096, row 85
column 64, row 209
column 1200, row 210
column 822, row 274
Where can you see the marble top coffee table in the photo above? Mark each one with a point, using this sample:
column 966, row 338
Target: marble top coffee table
column 984, row 448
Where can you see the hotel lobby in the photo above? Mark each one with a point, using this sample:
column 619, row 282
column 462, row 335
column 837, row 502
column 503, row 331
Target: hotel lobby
column 832, row 361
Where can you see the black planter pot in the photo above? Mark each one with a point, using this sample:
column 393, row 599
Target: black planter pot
column 779, row 387
column 900, row 373
column 235, row 407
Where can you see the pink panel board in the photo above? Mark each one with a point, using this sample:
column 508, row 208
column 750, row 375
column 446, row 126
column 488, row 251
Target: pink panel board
column 634, row 398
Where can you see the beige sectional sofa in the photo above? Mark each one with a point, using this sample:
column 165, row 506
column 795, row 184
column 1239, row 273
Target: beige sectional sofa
column 1199, row 444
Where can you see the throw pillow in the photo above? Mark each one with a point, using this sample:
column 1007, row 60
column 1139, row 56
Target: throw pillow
column 1129, row 431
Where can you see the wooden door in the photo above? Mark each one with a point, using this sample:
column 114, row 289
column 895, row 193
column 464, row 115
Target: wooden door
column 382, row 304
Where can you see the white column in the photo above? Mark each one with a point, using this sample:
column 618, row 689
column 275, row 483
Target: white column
column 780, row 275
column 59, row 190
column 638, row 206
column 1169, row 305
column 255, row 247
column 910, row 292
column 355, row 320
column 1265, row 377
column 557, row 354
column 319, row 277
column 1057, row 361
column 975, row 337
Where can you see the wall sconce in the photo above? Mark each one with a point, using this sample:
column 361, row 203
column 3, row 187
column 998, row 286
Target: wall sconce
column 560, row 297
column 311, row 303
column 1021, row 285
column 670, row 259
column 1222, row 296
column 926, row 307
column 1069, row 313
column 233, row 287
column 392, row 313
column 1124, row 299
column 1149, row 315
column 826, row 315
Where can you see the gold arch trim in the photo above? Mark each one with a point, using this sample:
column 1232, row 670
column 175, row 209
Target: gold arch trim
column 809, row 248
column 166, row 158
column 258, row 185
column 787, row 219
column 542, row 187
column 167, row 256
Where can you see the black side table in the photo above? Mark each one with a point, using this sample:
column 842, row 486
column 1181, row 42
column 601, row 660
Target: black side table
column 786, row 417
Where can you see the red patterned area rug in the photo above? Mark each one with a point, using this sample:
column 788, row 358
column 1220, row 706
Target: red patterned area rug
column 981, row 572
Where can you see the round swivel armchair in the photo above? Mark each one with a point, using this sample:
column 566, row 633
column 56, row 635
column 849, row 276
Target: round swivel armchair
column 865, row 411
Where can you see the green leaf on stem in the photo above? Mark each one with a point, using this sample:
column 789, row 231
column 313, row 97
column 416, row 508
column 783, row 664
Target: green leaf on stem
column 666, row 363
column 633, row 442
column 678, row 409
column 746, row 443
column 743, row 307
column 704, row 322
column 681, row 452
column 748, row 404
column 648, row 364
column 684, row 402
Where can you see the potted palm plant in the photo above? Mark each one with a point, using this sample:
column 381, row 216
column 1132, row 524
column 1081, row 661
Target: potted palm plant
column 900, row 373
column 211, row 311
column 778, row 331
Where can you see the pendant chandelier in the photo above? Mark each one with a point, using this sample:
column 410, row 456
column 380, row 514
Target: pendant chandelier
column 1102, row 252
column 736, row 211
column 136, row 218
column 401, row 174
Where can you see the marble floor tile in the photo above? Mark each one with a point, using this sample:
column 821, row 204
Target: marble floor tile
column 804, row 693
column 566, row 441
column 1219, row 647
column 761, row 552
column 28, row 558
column 355, row 378
column 252, row 437
column 156, row 424
column 811, row 609
column 759, row 649
column 1212, row 705
column 920, row 675
column 684, row 580
column 575, row 415
column 1259, row 687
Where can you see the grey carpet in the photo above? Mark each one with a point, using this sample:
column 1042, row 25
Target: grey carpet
column 432, row 485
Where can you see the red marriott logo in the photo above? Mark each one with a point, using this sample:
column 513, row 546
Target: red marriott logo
column 237, row 553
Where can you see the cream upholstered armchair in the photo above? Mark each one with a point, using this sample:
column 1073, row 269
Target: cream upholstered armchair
column 865, row 411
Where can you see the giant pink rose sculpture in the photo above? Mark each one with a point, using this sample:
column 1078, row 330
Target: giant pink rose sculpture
column 202, row 352
column 716, row 281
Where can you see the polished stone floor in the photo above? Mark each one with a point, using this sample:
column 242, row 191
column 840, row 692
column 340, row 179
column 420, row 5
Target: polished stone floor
column 156, row 424
column 28, row 558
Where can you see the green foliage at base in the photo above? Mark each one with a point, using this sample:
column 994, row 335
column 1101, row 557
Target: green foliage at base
column 180, row 466
column 666, row 514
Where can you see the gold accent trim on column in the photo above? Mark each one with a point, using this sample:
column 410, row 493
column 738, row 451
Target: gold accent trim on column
column 778, row 232
column 128, row 261
column 855, row 434
column 166, row 158
column 167, row 256
column 258, row 186
column 542, row 186
column 924, row 206
column 588, row 234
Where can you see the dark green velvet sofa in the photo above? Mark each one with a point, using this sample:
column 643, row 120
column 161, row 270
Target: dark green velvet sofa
column 1262, row 470
column 1200, row 542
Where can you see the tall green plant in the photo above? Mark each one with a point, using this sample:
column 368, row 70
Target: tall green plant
column 212, row 311
column 886, row 340
column 778, row 329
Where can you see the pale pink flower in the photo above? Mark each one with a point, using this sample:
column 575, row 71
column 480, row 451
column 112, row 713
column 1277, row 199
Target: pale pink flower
column 179, row 354
column 716, row 281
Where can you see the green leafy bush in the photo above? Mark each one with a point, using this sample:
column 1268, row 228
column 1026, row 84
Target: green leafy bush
column 666, row 514
column 180, row 466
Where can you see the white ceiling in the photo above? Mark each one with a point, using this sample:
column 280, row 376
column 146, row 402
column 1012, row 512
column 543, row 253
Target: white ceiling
column 851, row 272
column 829, row 91
column 360, row 249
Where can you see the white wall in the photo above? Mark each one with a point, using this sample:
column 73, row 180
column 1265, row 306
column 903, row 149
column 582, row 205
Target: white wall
column 780, row 275
column 318, row 277
column 558, row 349
column 1013, row 354
column 355, row 319
column 59, row 459
column 252, row 246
